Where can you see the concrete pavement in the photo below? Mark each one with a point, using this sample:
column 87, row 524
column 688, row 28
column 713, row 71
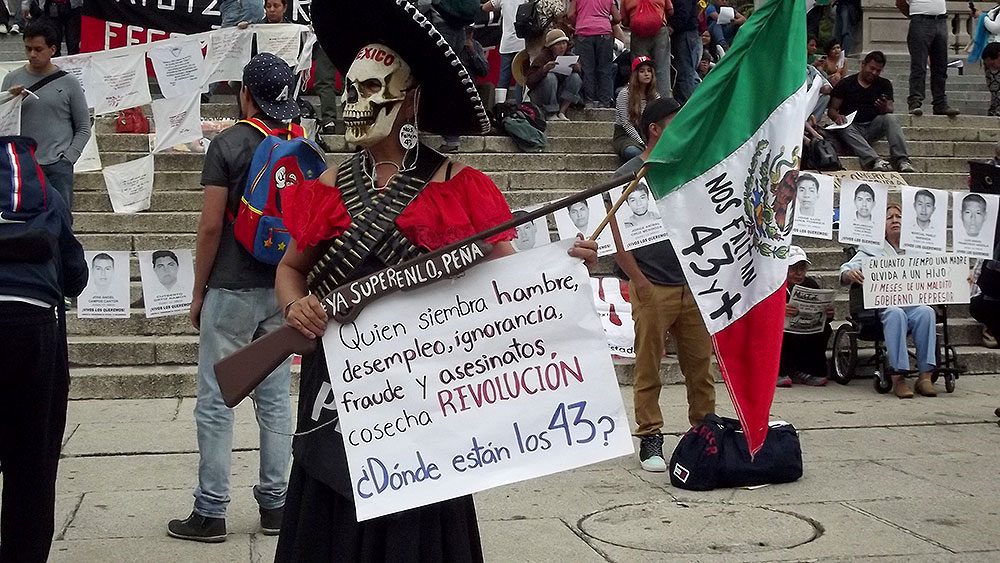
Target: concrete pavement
column 885, row 480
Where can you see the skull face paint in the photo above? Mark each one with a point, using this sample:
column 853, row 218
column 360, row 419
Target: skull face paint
column 376, row 86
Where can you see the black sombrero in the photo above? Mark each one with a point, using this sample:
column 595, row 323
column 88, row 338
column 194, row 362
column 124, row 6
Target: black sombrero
column 449, row 103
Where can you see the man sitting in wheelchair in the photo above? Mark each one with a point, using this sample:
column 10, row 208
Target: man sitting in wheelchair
column 920, row 320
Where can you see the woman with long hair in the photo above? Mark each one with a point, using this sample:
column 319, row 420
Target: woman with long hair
column 632, row 99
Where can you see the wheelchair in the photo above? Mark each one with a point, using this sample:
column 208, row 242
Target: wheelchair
column 867, row 326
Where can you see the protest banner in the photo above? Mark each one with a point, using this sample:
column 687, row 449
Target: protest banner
column 903, row 281
column 638, row 219
column 178, row 65
column 862, row 212
column 90, row 156
column 10, row 115
column 811, row 315
column 615, row 311
column 814, row 206
column 130, row 184
column 279, row 39
column 925, row 220
column 228, row 51
column 498, row 376
column 117, row 81
column 167, row 281
column 107, row 293
column 583, row 218
column 177, row 120
column 974, row 220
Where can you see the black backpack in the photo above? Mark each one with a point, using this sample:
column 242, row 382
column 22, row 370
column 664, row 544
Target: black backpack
column 528, row 21
column 821, row 154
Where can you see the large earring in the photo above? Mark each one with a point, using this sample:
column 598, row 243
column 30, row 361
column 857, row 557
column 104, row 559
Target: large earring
column 408, row 136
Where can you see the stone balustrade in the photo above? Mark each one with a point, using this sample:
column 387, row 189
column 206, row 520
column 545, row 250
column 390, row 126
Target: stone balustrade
column 884, row 28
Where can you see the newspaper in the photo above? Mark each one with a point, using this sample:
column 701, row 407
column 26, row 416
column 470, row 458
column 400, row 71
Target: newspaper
column 812, row 304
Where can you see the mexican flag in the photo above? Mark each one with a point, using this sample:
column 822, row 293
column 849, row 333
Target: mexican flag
column 723, row 175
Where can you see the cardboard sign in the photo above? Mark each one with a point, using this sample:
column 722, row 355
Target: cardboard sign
column 130, row 184
column 974, row 219
column 167, row 281
column 583, row 218
column 862, row 212
column 466, row 384
column 177, row 120
column 638, row 218
column 904, row 281
column 178, row 65
column 107, row 293
column 118, row 81
column 925, row 220
column 813, row 206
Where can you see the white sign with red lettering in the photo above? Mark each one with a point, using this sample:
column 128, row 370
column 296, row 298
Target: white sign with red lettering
column 498, row 376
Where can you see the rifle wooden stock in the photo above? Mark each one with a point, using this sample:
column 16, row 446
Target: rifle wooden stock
column 241, row 372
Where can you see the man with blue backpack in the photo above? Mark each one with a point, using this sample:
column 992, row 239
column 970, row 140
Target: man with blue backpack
column 240, row 240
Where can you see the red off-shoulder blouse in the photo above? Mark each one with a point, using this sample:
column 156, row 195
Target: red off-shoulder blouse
column 444, row 212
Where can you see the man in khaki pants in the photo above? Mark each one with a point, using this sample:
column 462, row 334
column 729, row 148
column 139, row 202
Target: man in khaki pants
column 663, row 303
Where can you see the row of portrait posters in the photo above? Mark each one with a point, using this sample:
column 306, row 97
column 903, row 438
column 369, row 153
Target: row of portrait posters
column 167, row 280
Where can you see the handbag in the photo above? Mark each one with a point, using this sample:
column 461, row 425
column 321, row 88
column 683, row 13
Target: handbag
column 131, row 120
column 714, row 454
column 647, row 20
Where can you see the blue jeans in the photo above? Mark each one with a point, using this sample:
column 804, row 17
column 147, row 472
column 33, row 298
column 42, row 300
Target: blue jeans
column 230, row 319
column 236, row 11
column 59, row 175
column 555, row 89
column 507, row 75
column 658, row 48
column 598, row 68
column 722, row 34
column 687, row 52
column 921, row 322
column 843, row 26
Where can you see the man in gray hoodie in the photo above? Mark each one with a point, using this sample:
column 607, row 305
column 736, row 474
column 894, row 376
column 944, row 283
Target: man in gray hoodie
column 58, row 120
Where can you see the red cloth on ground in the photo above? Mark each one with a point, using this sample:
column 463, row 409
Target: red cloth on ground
column 444, row 212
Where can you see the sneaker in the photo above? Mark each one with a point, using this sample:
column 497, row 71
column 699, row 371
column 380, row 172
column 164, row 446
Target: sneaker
column 446, row 148
column 15, row 29
column 989, row 340
column 947, row 110
column 198, row 528
column 809, row 379
column 330, row 128
column 916, row 110
column 784, row 381
column 906, row 166
column 270, row 520
column 651, row 453
column 926, row 388
column 3, row 29
column 561, row 117
column 881, row 165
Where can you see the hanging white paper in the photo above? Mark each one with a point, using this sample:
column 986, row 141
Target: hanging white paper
column 167, row 281
column 90, row 158
column 615, row 311
column 862, row 212
column 638, row 218
column 925, row 220
column 306, row 56
column 228, row 52
column 583, row 218
column 178, row 65
column 177, row 120
column 281, row 39
column 80, row 67
column 974, row 223
column 813, row 206
column 107, row 293
column 10, row 116
column 130, row 184
column 118, row 81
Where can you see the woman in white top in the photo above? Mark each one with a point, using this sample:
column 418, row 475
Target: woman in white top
column 510, row 43
column 632, row 99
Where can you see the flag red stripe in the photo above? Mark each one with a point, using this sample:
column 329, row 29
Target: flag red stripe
column 749, row 351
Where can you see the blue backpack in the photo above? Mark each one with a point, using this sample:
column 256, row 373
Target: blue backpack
column 282, row 159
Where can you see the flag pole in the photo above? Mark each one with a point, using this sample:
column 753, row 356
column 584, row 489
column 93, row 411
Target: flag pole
column 621, row 200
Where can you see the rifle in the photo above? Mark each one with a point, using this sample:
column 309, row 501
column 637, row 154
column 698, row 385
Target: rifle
column 240, row 372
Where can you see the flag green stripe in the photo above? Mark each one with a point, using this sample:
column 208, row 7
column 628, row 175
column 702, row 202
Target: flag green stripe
column 766, row 65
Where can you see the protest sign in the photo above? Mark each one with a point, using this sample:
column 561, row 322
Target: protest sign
column 498, row 376
column 893, row 179
column 177, row 120
column 615, row 311
column 178, row 65
column 167, row 281
column 107, row 293
column 532, row 234
column 925, row 220
column 813, row 206
column 10, row 116
column 228, row 51
column 117, row 81
column 974, row 219
column 902, row 281
column 862, row 212
column 90, row 156
column 811, row 315
column 583, row 218
column 130, row 184
column 638, row 218
column 280, row 39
